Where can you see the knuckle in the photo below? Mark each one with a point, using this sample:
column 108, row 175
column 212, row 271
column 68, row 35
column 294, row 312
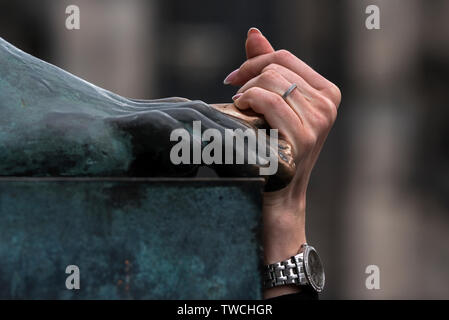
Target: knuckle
column 271, row 66
column 329, row 109
column 283, row 54
column 275, row 100
column 253, row 92
column 270, row 75
column 334, row 94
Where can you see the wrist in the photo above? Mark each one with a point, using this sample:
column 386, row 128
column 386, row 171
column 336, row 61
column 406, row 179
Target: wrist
column 283, row 231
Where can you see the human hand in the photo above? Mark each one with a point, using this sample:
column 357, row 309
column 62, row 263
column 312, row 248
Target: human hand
column 304, row 119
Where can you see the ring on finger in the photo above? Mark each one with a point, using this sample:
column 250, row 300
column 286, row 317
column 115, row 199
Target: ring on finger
column 289, row 90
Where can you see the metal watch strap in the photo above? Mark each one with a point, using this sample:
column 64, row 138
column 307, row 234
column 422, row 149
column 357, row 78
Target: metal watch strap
column 290, row 271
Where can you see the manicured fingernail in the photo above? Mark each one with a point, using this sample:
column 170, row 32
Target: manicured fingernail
column 253, row 30
column 230, row 77
column 236, row 96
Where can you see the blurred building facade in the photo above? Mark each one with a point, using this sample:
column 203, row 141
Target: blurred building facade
column 379, row 193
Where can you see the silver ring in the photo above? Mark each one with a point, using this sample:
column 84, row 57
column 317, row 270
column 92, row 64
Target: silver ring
column 289, row 90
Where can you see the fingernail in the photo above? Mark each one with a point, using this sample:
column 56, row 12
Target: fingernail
column 230, row 77
column 253, row 30
column 236, row 96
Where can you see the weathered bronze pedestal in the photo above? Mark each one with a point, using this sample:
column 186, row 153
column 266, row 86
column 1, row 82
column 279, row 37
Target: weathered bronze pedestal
column 131, row 238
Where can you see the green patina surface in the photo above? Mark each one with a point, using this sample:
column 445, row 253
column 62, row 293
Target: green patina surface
column 53, row 123
column 131, row 238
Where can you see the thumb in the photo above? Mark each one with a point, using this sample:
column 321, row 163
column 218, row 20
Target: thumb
column 256, row 44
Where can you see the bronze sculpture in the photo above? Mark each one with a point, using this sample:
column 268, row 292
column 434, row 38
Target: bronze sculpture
column 53, row 123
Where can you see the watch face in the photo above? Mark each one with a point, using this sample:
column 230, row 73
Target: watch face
column 314, row 269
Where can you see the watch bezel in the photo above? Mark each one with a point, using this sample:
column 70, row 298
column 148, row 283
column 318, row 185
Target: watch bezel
column 307, row 250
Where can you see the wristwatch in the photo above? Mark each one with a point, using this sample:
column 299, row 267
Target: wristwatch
column 303, row 269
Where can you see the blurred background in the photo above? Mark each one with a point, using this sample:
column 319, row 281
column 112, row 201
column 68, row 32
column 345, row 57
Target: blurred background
column 379, row 194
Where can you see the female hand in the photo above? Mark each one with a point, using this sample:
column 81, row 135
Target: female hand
column 303, row 118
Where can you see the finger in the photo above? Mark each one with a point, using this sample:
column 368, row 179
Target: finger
column 273, row 81
column 319, row 100
column 254, row 66
column 269, row 80
column 256, row 44
column 275, row 110
column 304, row 88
